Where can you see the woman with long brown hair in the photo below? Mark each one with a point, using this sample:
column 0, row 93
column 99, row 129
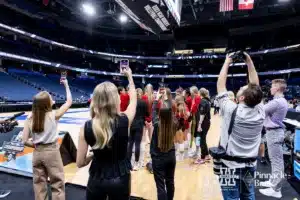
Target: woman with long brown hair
column 41, row 125
column 107, row 134
column 162, row 149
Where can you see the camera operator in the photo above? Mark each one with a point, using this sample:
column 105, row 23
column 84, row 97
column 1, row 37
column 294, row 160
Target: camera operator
column 247, row 122
column 276, row 110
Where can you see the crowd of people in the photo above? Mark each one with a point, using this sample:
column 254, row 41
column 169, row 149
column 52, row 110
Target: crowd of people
column 124, row 122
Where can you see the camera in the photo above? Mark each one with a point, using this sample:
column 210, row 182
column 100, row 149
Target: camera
column 238, row 56
column 8, row 126
column 10, row 123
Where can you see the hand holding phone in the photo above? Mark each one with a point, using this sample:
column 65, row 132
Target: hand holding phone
column 63, row 77
column 124, row 64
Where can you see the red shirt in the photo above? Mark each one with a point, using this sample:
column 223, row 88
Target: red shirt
column 124, row 98
column 181, row 115
column 145, row 98
column 195, row 104
column 188, row 102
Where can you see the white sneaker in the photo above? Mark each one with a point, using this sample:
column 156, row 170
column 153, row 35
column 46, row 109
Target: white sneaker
column 271, row 193
column 136, row 166
column 267, row 184
column 4, row 193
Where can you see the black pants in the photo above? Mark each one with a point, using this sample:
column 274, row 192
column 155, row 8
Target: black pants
column 164, row 171
column 216, row 110
column 116, row 189
column 136, row 135
column 203, row 144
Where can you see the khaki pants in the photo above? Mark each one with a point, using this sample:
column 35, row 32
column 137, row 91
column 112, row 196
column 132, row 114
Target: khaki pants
column 46, row 163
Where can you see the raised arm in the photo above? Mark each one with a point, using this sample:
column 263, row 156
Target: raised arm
column 221, row 83
column 253, row 76
column 154, row 108
column 64, row 108
column 131, row 109
column 82, row 159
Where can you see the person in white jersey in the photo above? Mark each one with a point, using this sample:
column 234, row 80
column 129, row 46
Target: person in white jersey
column 40, row 132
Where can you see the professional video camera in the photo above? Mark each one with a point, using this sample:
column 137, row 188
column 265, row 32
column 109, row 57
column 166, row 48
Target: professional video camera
column 10, row 123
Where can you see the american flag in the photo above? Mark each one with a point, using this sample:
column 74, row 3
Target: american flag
column 226, row 5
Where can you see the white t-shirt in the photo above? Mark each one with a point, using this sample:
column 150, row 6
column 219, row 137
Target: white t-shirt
column 49, row 135
column 245, row 137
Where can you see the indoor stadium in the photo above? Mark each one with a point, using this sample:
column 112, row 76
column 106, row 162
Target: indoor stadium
column 149, row 99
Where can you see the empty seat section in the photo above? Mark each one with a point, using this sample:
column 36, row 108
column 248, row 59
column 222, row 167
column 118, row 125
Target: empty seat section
column 15, row 90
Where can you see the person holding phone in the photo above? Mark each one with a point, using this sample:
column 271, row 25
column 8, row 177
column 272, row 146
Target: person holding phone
column 162, row 148
column 41, row 127
column 107, row 134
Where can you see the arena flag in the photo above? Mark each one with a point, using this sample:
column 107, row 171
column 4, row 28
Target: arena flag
column 246, row 4
column 226, row 5
column 46, row 2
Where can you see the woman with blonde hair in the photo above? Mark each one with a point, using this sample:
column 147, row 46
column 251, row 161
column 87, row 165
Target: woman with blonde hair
column 107, row 134
column 203, row 125
column 41, row 126
column 196, row 100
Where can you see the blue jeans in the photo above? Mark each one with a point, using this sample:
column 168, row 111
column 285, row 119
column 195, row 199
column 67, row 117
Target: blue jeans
column 237, row 184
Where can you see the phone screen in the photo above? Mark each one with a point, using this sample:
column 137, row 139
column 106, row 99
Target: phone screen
column 124, row 64
column 63, row 76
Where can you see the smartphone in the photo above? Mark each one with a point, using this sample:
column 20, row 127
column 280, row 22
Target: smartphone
column 63, row 76
column 124, row 64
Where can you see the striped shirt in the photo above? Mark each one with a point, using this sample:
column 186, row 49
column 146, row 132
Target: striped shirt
column 275, row 112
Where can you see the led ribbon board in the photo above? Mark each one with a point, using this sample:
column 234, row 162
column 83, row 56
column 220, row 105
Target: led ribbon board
column 150, row 15
column 175, row 76
column 113, row 55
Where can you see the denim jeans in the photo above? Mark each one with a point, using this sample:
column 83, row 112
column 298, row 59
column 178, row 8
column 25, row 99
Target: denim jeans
column 237, row 184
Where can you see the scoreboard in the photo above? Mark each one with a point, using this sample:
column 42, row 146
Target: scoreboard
column 155, row 16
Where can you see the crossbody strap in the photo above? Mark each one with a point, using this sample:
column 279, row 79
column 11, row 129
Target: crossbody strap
column 231, row 125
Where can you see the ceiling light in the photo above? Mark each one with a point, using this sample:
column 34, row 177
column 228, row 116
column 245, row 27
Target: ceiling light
column 283, row 1
column 88, row 9
column 123, row 18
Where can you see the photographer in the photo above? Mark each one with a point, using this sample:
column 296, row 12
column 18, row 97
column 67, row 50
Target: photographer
column 241, row 146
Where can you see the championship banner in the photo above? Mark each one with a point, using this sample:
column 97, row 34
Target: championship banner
column 152, row 15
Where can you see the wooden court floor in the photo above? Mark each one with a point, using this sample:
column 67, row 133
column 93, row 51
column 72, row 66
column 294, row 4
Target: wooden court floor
column 192, row 182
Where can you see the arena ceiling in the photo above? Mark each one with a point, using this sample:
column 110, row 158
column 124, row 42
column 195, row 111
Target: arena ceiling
column 194, row 12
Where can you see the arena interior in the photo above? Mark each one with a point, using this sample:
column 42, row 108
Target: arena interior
column 175, row 50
